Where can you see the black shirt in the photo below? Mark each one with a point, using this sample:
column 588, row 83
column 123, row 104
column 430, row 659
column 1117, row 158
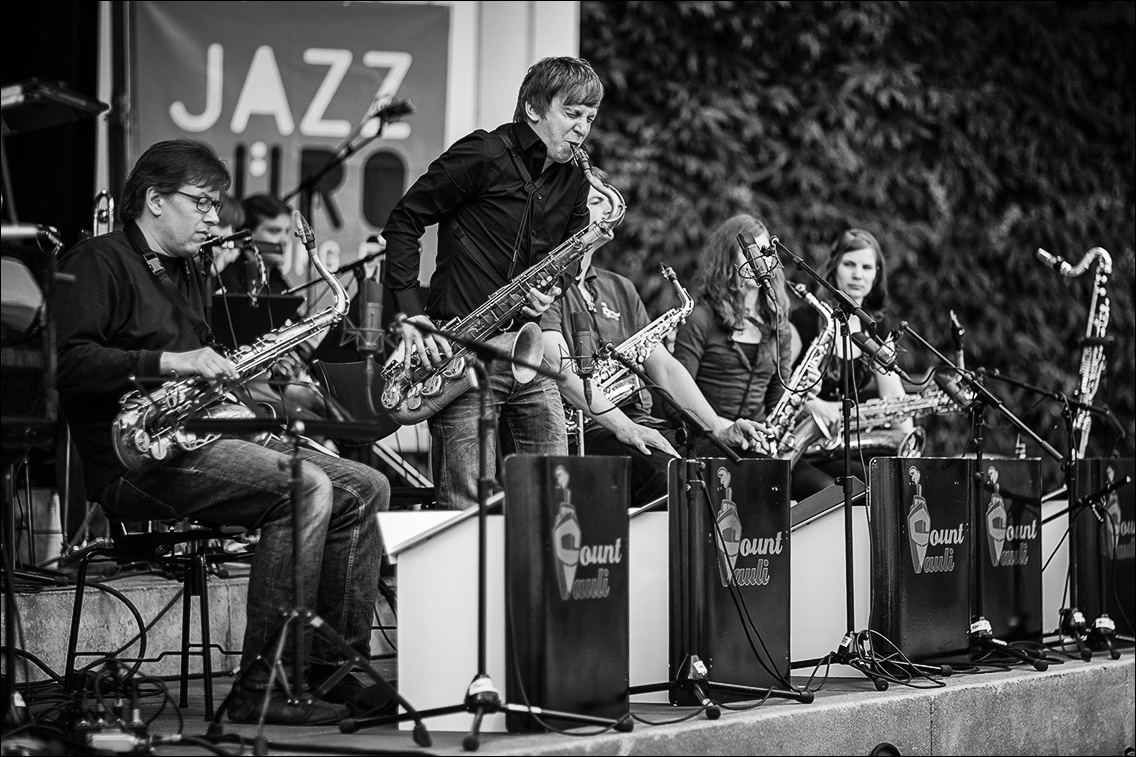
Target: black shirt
column 808, row 324
column 118, row 321
column 476, row 193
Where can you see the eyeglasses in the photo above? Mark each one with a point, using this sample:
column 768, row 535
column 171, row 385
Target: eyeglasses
column 203, row 203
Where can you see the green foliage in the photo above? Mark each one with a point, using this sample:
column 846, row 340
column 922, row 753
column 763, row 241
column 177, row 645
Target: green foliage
column 965, row 135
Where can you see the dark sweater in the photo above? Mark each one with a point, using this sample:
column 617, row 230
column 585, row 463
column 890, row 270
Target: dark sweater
column 735, row 386
column 114, row 323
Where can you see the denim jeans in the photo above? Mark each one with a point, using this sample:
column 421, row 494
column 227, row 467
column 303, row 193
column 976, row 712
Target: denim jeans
column 234, row 482
column 530, row 414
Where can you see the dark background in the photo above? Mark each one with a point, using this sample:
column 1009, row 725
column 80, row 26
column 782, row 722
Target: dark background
column 965, row 135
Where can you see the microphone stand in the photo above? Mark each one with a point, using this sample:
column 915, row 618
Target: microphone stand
column 693, row 675
column 482, row 697
column 849, row 652
column 390, row 112
column 972, row 395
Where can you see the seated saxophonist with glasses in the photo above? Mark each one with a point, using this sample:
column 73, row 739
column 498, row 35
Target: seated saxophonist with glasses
column 137, row 313
column 509, row 205
column 855, row 265
column 613, row 311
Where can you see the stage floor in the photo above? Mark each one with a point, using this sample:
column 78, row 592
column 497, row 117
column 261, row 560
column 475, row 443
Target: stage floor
column 1073, row 708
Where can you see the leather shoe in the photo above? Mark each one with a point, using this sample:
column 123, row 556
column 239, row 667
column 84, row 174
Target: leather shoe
column 360, row 694
column 246, row 705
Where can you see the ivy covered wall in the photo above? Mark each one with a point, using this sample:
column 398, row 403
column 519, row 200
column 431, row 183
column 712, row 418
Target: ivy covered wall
column 965, row 135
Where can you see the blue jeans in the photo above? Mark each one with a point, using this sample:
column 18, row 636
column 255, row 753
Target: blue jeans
column 531, row 414
column 234, row 482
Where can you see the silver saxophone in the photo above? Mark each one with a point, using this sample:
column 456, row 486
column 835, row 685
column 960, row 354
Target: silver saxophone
column 414, row 394
column 1093, row 346
column 874, row 425
column 150, row 428
column 803, row 386
column 612, row 377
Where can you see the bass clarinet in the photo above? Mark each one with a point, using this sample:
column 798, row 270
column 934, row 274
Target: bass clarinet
column 1093, row 345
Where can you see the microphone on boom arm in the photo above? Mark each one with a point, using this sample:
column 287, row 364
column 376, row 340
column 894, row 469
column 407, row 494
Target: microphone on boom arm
column 585, row 340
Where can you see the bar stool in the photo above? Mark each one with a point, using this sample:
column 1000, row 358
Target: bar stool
column 190, row 567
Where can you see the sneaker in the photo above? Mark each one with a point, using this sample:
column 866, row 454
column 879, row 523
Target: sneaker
column 359, row 693
column 246, row 705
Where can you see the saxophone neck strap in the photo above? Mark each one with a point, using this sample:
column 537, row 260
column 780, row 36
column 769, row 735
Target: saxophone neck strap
column 530, row 188
column 175, row 295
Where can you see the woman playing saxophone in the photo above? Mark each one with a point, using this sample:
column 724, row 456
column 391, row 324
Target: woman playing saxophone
column 855, row 266
column 736, row 342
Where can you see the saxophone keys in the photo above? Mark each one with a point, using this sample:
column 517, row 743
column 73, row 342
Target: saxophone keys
column 454, row 368
column 392, row 395
column 414, row 399
column 140, row 440
column 433, row 386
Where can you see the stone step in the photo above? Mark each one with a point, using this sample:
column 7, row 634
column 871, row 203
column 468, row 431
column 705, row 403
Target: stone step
column 108, row 623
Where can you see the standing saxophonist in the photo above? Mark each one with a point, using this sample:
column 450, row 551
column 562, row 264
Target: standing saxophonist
column 137, row 311
column 501, row 199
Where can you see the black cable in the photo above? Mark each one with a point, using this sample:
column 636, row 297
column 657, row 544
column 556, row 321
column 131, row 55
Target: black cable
column 740, row 606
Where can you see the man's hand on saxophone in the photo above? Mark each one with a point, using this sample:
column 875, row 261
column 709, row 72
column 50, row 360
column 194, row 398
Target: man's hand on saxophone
column 433, row 348
column 204, row 362
column 539, row 301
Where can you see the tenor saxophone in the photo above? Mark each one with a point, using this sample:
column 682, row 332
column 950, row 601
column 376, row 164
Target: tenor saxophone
column 1093, row 345
column 414, row 394
column 150, row 428
column 615, row 379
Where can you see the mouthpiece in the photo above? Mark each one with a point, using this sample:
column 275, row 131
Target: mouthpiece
column 1053, row 261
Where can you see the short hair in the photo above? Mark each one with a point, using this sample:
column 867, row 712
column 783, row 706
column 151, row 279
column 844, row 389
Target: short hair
column 548, row 78
column 167, row 167
column 851, row 240
column 231, row 213
column 262, row 207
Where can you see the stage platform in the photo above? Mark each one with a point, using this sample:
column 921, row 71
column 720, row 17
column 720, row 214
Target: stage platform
column 1075, row 707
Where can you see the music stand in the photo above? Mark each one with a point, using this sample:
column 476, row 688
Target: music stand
column 239, row 319
column 692, row 675
column 482, row 697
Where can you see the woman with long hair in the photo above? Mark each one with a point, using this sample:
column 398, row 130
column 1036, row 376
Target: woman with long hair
column 855, row 266
column 737, row 342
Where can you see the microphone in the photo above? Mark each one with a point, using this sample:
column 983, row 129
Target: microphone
column 387, row 109
column 957, row 333
column 586, row 350
column 880, row 353
column 1054, row 262
column 371, row 310
column 761, row 263
column 226, row 241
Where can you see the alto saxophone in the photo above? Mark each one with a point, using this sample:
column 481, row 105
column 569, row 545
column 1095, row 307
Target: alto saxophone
column 612, row 377
column 803, row 385
column 413, row 395
column 1092, row 346
column 150, row 428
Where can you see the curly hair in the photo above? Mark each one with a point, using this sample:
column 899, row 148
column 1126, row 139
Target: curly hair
column 719, row 285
